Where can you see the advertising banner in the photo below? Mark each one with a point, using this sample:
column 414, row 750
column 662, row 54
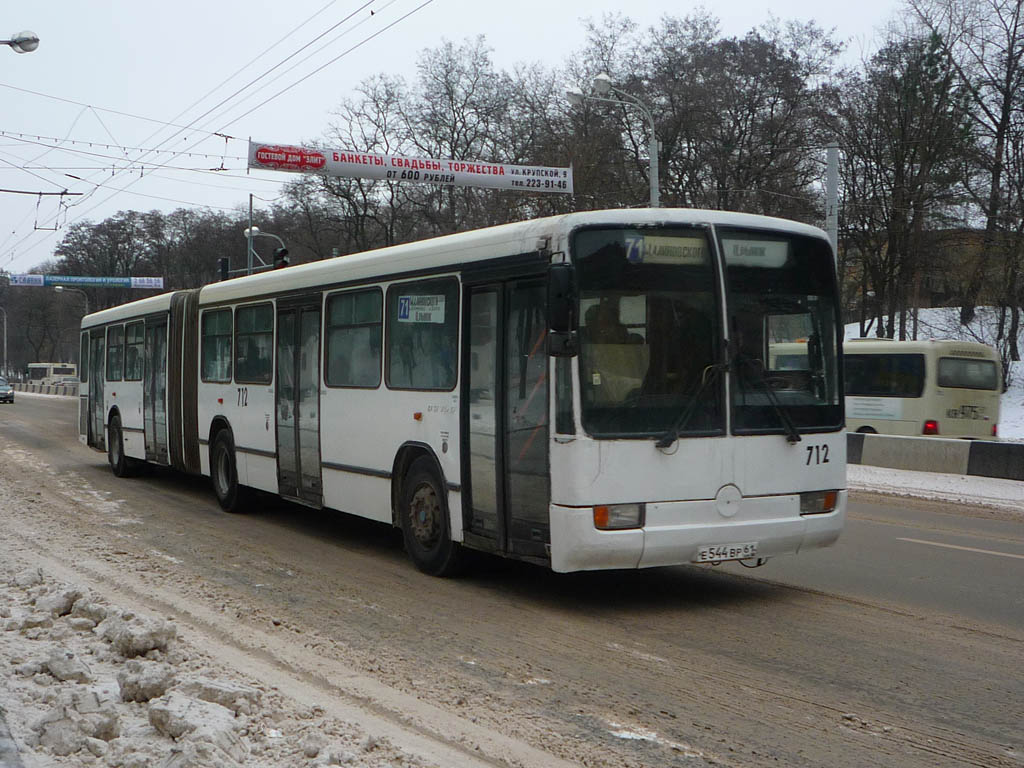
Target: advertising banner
column 367, row 165
column 120, row 282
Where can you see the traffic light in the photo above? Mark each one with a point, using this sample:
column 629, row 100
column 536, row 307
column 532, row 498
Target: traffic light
column 224, row 265
column 281, row 258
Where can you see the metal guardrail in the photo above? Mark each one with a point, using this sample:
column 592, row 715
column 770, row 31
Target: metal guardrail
column 935, row 454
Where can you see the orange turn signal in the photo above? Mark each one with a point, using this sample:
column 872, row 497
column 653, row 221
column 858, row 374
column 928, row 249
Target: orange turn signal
column 818, row 502
column 617, row 517
column 418, row 415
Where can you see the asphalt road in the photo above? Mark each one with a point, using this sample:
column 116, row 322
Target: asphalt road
column 926, row 555
column 901, row 645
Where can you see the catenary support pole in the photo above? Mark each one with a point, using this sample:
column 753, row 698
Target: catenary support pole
column 832, row 197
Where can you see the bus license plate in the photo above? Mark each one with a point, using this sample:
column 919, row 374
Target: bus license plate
column 718, row 552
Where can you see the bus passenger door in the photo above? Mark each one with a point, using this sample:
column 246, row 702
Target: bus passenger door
column 506, row 416
column 297, row 397
column 97, row 436
column 154, row 390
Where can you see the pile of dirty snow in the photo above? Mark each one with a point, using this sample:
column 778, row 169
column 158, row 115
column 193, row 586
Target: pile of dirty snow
column 86, row 683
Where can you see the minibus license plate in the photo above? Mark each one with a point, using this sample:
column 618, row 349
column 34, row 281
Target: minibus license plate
column 718, row 552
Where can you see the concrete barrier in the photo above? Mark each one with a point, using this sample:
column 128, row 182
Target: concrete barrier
column 69, row 390
column 936, row 454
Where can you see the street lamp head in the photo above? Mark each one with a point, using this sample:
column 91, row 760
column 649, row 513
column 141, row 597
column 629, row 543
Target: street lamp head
column 574, row 96
column 23, row 42
column 251, row 231
column 59, row 288
column 603, row 84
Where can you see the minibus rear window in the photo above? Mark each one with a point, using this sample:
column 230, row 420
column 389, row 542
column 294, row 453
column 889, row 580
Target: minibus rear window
column 963, row 373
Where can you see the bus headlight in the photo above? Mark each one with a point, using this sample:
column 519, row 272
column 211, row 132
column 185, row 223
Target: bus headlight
column 818, row 502
column 614, row 517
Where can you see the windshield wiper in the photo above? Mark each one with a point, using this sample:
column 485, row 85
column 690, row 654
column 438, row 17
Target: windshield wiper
column 711, row 374
column 792, row 435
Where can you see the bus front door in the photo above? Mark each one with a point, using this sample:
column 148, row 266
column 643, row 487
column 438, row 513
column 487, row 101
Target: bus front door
column 97, row 435
column 154, row 390
column 506, row 397
column 297, row 396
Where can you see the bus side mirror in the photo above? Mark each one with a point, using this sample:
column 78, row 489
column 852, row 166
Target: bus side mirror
column 561, row 310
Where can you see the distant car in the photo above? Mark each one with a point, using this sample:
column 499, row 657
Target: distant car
column 6, row 392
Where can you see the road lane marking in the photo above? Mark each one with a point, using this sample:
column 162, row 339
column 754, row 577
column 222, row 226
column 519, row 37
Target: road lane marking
column 965, row 549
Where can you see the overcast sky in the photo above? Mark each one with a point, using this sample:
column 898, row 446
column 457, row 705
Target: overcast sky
column 156, row 61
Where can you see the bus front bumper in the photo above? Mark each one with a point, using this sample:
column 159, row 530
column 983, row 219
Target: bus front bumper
column 674, row 533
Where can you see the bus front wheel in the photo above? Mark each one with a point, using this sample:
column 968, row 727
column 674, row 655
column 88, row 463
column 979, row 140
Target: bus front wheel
column 224, row 473
column 120, row 464
column 424, row 520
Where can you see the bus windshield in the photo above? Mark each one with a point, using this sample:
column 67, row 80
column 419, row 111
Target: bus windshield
column 783, row 329
column 649, row 331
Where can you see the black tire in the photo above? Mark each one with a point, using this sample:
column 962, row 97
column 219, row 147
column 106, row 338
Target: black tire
column 423, row 516
column 224, row 474
column 867, row 431
column 120, row 464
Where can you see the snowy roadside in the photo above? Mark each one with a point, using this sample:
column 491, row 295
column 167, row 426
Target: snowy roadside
column 19, row 393
column 991, row 492
column 89, row 683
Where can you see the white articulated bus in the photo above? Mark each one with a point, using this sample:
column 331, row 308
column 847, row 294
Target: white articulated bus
column 938, row 387
column 585, row 391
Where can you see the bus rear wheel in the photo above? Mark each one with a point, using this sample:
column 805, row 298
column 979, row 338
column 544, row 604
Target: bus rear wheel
column 120, row 464
column 423, row 515
column 224, row 473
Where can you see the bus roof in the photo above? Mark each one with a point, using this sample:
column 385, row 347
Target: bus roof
column 476, row 245
column 140, row 308
column 949, row 347
column 446, row 251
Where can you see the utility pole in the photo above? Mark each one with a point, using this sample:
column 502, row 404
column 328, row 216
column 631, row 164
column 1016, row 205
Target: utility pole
column 248, row 236
column 5, row 341
column 832, row 198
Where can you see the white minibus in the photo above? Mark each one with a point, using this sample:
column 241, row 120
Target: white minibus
column 943, row 388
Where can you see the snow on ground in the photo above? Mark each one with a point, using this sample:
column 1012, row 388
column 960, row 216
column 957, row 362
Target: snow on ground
column 944, row 323
column 1011, row 406
column 992, row 492
column 20, row 393
column 85, row 682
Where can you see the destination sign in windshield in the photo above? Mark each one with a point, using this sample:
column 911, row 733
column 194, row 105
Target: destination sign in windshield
column 755, row 253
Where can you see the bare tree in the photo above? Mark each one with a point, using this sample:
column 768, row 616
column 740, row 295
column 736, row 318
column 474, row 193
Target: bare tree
column 902, row 124
column 985, row 42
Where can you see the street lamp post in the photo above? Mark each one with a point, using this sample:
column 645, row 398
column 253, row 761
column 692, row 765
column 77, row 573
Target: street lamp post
column 603, row 85
column 280, row 255
column 23, row 42
column 85, row 296
column 5, row 340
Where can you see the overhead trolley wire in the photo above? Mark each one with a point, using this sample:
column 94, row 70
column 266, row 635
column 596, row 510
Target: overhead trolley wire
column 216, row 133
column 297, row 64
column 191, row 125
column 305, row 77
column 332, row 61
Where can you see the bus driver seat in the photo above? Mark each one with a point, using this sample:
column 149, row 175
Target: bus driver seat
column 616, row 362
